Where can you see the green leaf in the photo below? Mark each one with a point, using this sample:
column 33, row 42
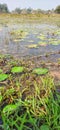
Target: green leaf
column 3, row 77
column 0, row 98
column 10, row 91
column 40, row 71
column 9, row 108
column 44, row 127
column 17, row 69
column 1, row 71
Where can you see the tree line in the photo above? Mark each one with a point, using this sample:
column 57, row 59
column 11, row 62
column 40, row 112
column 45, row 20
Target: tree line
column 4, row 9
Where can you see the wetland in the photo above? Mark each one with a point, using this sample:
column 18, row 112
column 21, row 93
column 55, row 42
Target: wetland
column 29, row 71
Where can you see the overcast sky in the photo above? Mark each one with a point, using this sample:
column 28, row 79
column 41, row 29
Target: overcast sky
column 35, row 4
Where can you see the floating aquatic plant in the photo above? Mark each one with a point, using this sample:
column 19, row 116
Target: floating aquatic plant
column 54, row 42
column 17, row 69
column 40, row 71
column 16, row 40
column 17, row 35
column 42, row 43
column 31, row 40
column 42, row 37
column 3, row 77
column 32, row 46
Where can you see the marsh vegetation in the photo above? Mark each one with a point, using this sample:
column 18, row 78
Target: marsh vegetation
column 29, row 72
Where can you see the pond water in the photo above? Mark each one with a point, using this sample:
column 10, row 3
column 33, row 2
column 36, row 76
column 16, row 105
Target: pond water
column 36, row 34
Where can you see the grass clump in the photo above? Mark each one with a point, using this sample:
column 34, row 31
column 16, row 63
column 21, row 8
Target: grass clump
column 39, row 110
column 24, row 118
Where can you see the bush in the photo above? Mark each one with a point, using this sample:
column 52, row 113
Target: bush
column 57, row 10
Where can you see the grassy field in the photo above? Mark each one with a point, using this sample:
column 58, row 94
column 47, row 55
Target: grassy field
column 22, row 18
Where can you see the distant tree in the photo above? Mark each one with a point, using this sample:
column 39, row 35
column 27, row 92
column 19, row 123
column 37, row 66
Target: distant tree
column 39, row 11
column 57, row 10
column 4, row 8
column 17, row 10
column 29, row 10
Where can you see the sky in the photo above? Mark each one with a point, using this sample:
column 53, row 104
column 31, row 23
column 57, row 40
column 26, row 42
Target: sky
column 35, row 4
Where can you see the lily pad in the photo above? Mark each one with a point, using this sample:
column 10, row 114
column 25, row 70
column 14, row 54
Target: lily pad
column 3, row 77
column 42, row 43
column 17, row 69
column 54, row 42
column 32, row 46
column 16, row 40
column 42, row 37
column 40, row 71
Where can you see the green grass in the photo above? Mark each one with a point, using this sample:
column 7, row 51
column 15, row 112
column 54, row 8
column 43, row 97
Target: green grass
column 25, row 109
column 26, row 117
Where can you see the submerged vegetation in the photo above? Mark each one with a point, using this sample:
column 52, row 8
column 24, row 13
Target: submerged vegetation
column 18, row 35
